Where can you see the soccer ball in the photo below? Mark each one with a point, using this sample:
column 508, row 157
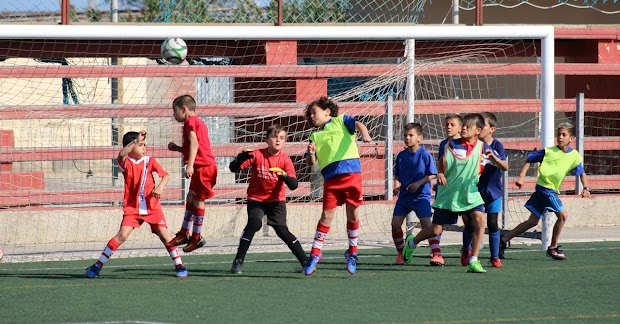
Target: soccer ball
column 174, row 50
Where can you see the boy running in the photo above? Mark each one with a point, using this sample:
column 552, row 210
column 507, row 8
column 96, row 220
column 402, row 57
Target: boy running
column 459, row 169
column 491, row 190
column 555, row 163
column 334, row 147
column 200, row 168
column 141, row 201
column 413, row 171
column 271, row 170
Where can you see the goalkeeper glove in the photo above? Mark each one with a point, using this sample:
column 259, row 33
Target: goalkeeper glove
column 241, row 157
column 279, row 172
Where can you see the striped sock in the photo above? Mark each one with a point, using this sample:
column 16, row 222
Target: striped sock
column 353, row 233
column 107, row 252
column 173, row 251
column 187, row 219
column 434, row 243
column 199, row 217
column 399, row 241
column 319, row 238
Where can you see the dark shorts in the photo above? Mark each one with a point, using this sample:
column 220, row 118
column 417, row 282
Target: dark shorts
column 448, row 217
column 203, row 181
column 421, row 207
column 275, row 211
column 540, row 202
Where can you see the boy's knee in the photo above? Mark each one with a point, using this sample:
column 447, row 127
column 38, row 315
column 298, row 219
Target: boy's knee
column 562, row 216
column 254, row 224
column 437, row 229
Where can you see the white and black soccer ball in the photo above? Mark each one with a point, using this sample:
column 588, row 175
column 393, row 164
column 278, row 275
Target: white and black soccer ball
column 174, row 50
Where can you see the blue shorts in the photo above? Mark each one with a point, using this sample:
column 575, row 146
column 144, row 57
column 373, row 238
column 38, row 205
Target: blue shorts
column 493, row 207
column 421, row 207
column 540, row 202
column 448, row 217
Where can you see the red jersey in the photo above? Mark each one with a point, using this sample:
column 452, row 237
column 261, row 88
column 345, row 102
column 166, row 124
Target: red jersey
column 204, row 155
column 266, row 186
column 138, row 198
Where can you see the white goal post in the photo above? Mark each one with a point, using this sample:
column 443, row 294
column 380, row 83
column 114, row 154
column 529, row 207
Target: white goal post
column 361, row 33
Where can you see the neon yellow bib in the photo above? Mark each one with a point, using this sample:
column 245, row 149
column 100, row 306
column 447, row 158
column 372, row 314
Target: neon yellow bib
column 555, row 166
column 334, row 143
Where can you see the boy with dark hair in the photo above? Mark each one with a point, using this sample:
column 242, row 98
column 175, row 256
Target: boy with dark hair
column 555, row 163
column 459, row 169
column 271, row 170
column 491, row 190
column 334, row 147
column 200, row 167
column 413, row 171
column 141, row 201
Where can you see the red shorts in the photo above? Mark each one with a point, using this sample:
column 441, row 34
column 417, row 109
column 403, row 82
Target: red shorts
column 343, row 188
column 203, row 181
column 155, row 218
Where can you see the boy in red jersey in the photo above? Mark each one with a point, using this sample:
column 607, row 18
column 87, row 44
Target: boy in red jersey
column 141, row 201
column 271, row 170
column 200, row 168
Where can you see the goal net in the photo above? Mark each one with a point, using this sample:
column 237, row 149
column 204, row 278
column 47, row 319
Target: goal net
column 69, row 93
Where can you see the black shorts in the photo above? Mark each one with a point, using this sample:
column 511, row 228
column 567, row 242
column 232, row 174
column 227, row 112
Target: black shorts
column 275, row 211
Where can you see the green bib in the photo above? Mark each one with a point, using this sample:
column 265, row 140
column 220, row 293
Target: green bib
column 462, row 175
column 334, row 143
column 555, row 166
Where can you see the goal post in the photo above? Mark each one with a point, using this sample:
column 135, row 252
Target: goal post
column 56, row 115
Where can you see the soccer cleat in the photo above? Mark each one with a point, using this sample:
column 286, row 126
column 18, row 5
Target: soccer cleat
column 437, row 261
column 313, row 260
column 399, row 260
column 237, row 266
column 351, row 262
column 408, row 251
column 555, row 253
column 194, row 244
column 93, row 271
column 179, row 239
column 475, row 267
column 181, row 271
column 496, row 263
column 465, row 257
column 503, row 245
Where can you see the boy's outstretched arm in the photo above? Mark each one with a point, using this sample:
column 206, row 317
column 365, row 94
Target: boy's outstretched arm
column 584, row 181
column 364, row 131
column 526, row 166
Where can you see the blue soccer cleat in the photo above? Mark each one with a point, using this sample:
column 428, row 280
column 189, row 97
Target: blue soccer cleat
column 351, row 262
column 313, row 260
column 180, row 270
column 93, row 271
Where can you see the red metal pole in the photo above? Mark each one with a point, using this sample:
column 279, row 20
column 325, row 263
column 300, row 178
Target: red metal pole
column 65, row 12
column 479, row 12
column 279, row 13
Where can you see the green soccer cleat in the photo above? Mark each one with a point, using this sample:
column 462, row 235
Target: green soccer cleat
column 407, row 250
column 475, row 267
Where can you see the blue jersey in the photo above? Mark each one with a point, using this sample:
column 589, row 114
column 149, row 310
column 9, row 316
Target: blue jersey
column 490, row 184
column 343, row 166
column 538, row 156
column 411, row 167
